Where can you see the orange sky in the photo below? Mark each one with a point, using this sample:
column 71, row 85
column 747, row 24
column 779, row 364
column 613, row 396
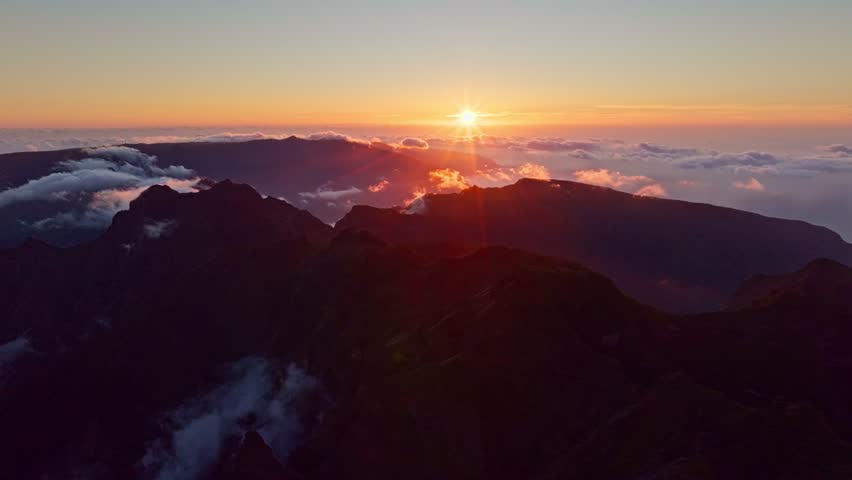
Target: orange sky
column 112, row 64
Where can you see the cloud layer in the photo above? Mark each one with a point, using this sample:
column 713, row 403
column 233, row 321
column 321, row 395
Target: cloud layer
column 797, row 179
column 91, row 190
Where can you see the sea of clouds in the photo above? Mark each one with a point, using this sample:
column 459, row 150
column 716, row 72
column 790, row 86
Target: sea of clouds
column 793, row 179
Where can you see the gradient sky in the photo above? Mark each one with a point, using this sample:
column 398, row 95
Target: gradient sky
column 114, row 63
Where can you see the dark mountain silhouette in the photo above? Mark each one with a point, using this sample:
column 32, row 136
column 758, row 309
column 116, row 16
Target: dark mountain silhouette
column 822, row 279
column 786, row 336
column 675, row 255
column 225, row 335
column 325, row 177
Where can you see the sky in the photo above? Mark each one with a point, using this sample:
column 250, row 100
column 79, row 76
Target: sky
column 738, row 103
column 576, row 63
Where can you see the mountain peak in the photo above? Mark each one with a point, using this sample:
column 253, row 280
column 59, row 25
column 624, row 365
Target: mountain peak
column 155, row 194
column 822, row 280
column 533, row 182
column 226, row 212
column 228, row 188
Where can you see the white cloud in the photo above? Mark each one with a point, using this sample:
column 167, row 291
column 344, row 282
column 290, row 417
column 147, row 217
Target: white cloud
column 105, row 182
column 323, row 193
column 253, row 390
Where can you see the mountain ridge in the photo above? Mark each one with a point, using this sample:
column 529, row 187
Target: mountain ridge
column 672, row 254
column 397, row 360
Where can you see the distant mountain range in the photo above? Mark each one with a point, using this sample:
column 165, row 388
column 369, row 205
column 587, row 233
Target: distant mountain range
column 224, row 335
column 675, row 255
column 326, row 177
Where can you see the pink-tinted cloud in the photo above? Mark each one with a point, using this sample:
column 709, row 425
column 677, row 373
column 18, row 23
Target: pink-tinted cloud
column 448, row 179
column 753, row 184
column 416, row 196
column 653, row 190
column 608, row 178
column 533, row 170
column 379, row 186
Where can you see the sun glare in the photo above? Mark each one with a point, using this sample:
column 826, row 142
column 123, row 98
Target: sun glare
column 468, row 117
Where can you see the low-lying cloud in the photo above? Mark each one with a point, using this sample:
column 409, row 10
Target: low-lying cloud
column 411, row 142
column 752, row 184
column 159, row 229
column 448, row 179
column 606, row 178
column 94, row 188
column 745, row 159
column 653, row 190
column 325, row 193
column 256, row 394
column 13, row 349
column 559, row 145
column 839, row 149
column 809, row 176
column 331, row 135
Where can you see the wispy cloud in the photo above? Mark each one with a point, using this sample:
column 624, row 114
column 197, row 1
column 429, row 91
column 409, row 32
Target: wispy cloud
column 253, row 396
column 324, row 193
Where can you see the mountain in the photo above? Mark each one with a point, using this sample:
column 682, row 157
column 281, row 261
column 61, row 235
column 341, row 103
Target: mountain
column 221, row 334
column 784, row 336
column 822, row 279
column 675, row 255
column 325, row 177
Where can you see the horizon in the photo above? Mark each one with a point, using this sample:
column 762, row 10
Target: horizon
column 792, row 173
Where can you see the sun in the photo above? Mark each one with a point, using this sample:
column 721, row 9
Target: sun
column 468, row 117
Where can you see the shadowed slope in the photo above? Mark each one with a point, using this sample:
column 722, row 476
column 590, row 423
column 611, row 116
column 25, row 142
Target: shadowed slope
column 496, row 364
column 675, row 255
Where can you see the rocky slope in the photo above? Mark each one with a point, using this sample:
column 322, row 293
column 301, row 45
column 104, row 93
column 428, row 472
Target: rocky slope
column 221, row 334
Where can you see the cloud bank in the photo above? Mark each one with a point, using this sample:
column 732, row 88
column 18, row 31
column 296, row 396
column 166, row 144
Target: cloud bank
column 94, row 188
column 807, row 174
